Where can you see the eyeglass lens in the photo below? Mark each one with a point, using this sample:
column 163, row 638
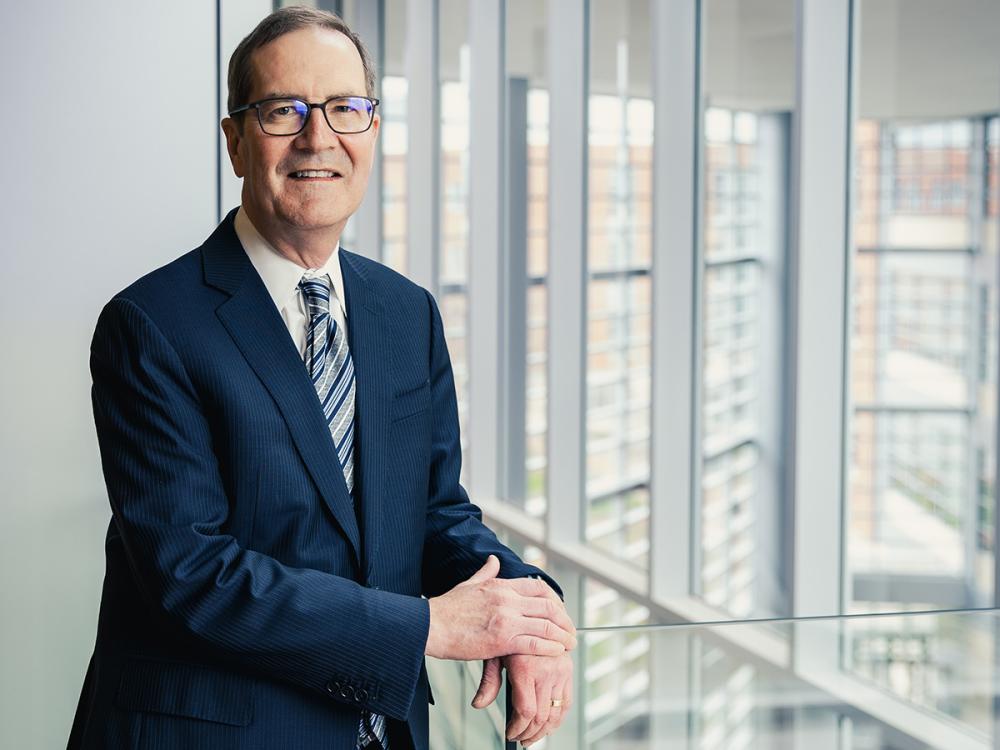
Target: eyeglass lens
column 347, row 114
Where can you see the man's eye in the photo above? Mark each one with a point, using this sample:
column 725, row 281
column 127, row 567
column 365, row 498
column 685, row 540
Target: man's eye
column 280, row 112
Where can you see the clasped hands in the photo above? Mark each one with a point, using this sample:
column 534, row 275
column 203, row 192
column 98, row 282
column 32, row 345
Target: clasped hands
column 520, row 624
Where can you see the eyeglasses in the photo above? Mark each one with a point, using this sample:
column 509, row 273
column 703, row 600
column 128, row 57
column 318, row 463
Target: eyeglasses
column 284, row 116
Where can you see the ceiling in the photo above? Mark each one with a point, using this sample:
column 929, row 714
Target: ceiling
column 913, row 58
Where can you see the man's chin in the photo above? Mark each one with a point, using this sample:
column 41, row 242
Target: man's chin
column 315, row 221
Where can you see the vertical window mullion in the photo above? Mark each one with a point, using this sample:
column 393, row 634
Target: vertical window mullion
column 569, row 66
column 423, row 171
column 818, row 270
column 673, row 471
column 488, row 400
column 514, row 317
column 370, row 22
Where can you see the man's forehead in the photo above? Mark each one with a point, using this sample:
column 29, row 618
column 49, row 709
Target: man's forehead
column 310, row 57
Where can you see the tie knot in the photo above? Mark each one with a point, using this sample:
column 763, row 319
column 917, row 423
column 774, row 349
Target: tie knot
column 316, row 291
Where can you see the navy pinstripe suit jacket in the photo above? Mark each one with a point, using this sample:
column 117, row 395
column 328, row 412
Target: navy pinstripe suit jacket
column 246, row 603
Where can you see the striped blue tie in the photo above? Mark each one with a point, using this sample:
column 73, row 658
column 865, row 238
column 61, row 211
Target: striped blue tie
column 329, row 362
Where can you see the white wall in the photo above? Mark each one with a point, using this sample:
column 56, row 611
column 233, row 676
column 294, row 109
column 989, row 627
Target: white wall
column 108, row 131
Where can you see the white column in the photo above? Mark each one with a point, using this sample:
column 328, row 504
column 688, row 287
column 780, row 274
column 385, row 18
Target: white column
column 771, row 577
column 676, row 281
column 568, row 73
column 423, row 153
column 819, row 276
column 514, row 317
column 486, row 340
column 369, row 24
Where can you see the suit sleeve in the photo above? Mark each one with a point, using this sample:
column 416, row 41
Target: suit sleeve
column 166, row 491
column 457, row 542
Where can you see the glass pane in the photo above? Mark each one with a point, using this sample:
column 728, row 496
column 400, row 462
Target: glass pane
column 393, row 137
column 618, row 315
column 526, row 42
column 862, row 683
column 349, row 238
column 453, row 60
column 921, row 496
column 748, row 79
column 453, row 725
column 348, row 13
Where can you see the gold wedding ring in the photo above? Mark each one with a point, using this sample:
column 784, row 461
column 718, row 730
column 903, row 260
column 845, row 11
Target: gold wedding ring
column 557, row 702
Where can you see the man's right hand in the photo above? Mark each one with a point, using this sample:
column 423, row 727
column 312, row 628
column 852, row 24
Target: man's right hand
column 487, row 616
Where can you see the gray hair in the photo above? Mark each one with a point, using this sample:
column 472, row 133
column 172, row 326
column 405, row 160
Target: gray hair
column 279, row 23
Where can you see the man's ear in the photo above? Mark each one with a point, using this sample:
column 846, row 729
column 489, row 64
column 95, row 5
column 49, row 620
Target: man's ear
column 232, row 131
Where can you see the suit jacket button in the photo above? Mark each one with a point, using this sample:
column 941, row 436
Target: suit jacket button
column 332, row 687
column 361, row 695
column 346, row 691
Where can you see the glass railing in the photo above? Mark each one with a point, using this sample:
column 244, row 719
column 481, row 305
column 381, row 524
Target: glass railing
column 454, row 724
column 862, row 682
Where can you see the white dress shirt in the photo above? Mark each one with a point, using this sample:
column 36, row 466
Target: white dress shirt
column 281, row 276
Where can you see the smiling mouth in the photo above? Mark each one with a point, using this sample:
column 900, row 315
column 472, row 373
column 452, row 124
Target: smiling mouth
column 315, row 174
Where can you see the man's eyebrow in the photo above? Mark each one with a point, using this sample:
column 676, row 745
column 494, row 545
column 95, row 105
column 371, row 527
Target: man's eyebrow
column 286, row 95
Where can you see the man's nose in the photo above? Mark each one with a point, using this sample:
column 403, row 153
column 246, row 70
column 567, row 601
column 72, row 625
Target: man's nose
column 317, row 134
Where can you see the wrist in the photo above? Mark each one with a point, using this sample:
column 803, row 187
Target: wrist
column 430, row 647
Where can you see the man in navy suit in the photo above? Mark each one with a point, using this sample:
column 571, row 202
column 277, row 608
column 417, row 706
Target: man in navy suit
column 279, row 438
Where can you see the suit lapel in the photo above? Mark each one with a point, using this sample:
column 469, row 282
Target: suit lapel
column 368, row 337
column 258, row 330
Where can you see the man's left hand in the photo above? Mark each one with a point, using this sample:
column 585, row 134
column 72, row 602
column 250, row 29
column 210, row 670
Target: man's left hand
column 536, row 681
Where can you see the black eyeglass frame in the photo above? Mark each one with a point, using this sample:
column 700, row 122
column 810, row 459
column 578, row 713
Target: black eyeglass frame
column 318, row 105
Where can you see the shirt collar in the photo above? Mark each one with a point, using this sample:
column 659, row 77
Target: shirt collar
column 281, row 275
